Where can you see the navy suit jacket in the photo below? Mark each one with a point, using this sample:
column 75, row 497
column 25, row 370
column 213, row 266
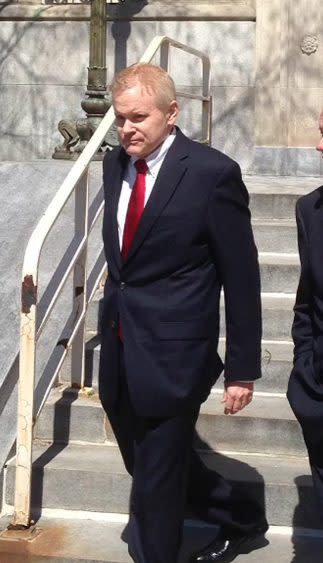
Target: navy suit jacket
column 194, row 237
column 305, row 388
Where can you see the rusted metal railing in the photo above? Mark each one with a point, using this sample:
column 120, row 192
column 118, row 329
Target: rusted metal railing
column 75, row 182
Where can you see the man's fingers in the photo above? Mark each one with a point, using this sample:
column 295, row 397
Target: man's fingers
column 237, row 396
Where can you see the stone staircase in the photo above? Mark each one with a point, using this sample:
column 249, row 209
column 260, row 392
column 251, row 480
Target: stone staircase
column 78, row 467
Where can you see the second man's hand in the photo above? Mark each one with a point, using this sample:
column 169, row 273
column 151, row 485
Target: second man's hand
column 236, row 396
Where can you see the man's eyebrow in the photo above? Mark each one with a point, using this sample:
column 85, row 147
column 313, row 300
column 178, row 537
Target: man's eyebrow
column 134, row 112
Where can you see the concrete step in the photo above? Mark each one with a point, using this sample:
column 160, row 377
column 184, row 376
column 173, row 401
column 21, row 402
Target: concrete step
column 276, row 364
column 275, row 235
column 93, row 478
column 279, row 272
column 267, row 425
column 277, row 316
column 274, row 198
column 104, row 541
column 277, row 312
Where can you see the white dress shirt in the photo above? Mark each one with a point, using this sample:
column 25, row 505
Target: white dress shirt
column 154, row 162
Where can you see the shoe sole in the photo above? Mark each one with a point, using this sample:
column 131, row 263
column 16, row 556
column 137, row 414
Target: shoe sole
column 246, row 546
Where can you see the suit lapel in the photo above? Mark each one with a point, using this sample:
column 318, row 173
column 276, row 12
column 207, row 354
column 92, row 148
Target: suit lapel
column 121, row 167
column 169, row 177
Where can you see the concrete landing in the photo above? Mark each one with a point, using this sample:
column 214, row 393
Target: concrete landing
column 83, row 541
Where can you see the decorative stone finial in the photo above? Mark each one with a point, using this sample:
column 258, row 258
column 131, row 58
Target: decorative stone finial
column 309, row 44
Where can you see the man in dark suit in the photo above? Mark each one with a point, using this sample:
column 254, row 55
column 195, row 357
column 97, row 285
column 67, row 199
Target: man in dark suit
column 305, row 389
column 176, row 229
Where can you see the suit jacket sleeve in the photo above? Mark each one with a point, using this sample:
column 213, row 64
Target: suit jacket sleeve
column 302, row 325
column 236, row 258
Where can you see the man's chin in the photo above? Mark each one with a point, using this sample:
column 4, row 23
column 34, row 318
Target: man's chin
column 133, row 149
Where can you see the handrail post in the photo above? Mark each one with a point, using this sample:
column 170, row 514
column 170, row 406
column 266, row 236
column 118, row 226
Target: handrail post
column 164, row 56
column 206, row 105
column 26, row 386
column 80, row 282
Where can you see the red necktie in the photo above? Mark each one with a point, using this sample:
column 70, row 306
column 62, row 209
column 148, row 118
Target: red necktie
column 135, row 207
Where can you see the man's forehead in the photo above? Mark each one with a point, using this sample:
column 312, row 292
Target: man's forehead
column 138, row 96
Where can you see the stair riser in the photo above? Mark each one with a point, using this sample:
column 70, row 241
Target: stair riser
column 275, row 371
column 279, row 278
column 276, row 322
column 220, row 432
column 273, row 206
column 93, row 491
column 275, row 238
column 62, row 424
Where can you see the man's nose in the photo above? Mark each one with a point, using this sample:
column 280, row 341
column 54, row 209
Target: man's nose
column 127, row 126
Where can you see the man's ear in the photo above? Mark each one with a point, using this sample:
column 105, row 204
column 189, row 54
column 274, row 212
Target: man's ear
column 173, row 112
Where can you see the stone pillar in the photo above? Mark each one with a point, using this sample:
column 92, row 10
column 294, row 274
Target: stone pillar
column 289, row 85
column 271, row 73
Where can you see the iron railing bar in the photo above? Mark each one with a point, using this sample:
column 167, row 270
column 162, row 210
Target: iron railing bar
column 202, row 141
column 96, row 217
column 54, row 209
column 65, row 340
column 96, row 274
column 60, row 286
column 95, row 210
column 192, row 96
column 62, row 352
column 160, row 39
column 56, row 277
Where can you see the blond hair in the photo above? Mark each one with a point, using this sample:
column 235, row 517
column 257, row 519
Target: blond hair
column 152, row 78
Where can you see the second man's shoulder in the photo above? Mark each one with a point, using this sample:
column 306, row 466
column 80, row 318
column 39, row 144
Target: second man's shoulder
column 310, row 201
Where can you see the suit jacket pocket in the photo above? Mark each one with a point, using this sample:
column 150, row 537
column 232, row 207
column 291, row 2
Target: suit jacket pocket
column 183, row 330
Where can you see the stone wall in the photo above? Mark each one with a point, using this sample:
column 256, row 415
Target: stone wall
column 289, row 85
column 43, row 69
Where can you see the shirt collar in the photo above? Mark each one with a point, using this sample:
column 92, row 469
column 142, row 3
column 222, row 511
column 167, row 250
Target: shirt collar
column 155, row 159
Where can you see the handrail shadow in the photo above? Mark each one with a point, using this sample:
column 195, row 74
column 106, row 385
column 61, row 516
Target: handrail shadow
column 61, row 434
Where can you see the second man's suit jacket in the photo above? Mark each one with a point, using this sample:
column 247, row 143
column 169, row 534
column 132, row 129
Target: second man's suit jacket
column 305, row 391
column 194, row 238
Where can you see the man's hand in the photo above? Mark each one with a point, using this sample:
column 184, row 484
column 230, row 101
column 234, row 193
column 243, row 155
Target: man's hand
column 236, row 396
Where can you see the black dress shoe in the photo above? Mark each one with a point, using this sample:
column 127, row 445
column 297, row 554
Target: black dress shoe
column 224, row 550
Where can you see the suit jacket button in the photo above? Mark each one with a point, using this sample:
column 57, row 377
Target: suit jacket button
column 113, row 324
column 122, row 286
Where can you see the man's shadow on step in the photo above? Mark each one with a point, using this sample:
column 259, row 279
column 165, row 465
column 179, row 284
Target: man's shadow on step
column 198, row 533
column 307, row 535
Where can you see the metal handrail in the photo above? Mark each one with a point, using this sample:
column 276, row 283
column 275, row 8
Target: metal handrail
column 77, row 182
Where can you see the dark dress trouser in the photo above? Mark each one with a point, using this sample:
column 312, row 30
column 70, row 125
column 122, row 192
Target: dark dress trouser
column 305, row 395
column 167, row 473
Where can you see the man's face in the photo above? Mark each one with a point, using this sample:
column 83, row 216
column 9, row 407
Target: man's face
column 142, row 124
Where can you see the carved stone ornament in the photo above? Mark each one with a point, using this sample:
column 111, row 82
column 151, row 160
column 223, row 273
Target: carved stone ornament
column 309, row 44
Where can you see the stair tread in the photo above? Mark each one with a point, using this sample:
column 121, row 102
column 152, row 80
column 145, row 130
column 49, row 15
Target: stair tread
column 277, row 223
column 106, row 460
column 263, row 405
column 281, row 185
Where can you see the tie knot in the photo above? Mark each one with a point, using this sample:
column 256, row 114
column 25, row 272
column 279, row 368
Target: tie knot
column 141, row 166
